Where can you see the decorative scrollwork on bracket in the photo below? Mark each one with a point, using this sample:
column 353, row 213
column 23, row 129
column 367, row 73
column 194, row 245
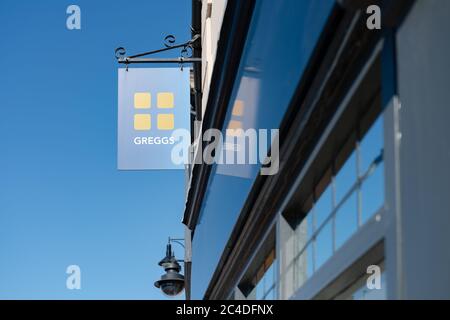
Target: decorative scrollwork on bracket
column 169, row 41
column 187, row 51
column 120, row 53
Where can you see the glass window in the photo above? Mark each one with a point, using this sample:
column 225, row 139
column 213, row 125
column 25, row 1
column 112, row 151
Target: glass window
column 265, row 280
column 372, row 169
column 364, row 293
column 346, row 221
column 323, row 207
column 348, row 200
column 360, row 291
column 371, row 145
column 269, row 283
column 304, row 231
column 346, row 177
column 372, row 193
column 310, row 263
column 304, row 264
column 310, row 225
column 323, row 245
column 267, row 78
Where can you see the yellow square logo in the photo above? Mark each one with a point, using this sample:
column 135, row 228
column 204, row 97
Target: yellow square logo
column 142, row 100
column 142, row 122
column 164, row 100
column 165, row 121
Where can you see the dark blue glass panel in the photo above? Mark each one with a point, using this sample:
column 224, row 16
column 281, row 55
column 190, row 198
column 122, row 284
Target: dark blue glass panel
column 281, row 38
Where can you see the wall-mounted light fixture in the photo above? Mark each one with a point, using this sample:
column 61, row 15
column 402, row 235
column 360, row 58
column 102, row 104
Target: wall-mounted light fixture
column 172, row 282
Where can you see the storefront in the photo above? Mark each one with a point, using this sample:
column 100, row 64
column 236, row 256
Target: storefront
column 333, row 88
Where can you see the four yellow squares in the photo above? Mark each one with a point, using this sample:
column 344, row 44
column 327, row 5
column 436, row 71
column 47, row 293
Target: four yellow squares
column 164, row 100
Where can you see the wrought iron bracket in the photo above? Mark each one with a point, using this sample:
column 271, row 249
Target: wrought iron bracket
column 177, row 240
column 186, row 53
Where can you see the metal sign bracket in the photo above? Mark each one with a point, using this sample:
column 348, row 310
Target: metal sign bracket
column 187, row 50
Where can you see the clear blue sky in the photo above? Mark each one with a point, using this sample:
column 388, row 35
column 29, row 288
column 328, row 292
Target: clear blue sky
column 62, row 200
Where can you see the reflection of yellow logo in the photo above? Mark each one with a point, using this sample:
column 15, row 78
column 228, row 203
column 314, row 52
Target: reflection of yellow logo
column 236, row 119
column 164, row 100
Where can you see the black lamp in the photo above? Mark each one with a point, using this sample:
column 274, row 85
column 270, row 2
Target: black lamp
column 172, row 282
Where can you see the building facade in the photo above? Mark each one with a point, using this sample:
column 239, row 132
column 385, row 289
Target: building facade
column 363, row 181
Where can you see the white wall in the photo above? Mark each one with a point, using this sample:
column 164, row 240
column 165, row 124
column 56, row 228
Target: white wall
column 212, row 17
column 424, row 89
